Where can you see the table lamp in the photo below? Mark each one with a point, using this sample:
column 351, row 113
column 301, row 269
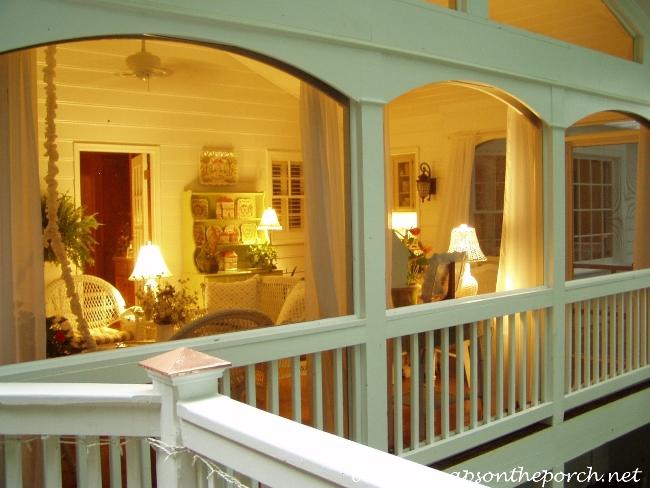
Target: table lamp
column 464, row 238
column 269, row 222
column 150, row 266
column 403, row 221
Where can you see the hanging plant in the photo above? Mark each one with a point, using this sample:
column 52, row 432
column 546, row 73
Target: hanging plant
column 75, row 228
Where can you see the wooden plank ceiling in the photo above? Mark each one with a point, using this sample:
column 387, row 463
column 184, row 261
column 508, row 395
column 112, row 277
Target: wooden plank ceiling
column 586, row 23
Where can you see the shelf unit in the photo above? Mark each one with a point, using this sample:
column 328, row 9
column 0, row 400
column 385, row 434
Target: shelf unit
column 190, row 270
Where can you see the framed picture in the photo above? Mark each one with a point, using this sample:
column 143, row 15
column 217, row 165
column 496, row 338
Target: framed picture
column 218, row 168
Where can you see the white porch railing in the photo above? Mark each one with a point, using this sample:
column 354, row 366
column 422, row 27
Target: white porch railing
column 607, row 338
column 201, row 438
column 335, row 375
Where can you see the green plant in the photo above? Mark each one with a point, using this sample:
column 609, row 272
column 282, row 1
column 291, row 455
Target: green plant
column 262, row 255
column 75, row 228
column 418, row 261
column 168, row 304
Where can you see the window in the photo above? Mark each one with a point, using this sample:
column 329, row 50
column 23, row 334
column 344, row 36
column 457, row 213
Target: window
column 593, row 208
column 602, row 159
column 288, row 193
column 487, row 201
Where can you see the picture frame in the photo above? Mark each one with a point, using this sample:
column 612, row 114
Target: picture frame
column 218, row 168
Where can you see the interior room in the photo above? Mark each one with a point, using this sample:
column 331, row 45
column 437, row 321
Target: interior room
column 145, row 128
column 456, row 133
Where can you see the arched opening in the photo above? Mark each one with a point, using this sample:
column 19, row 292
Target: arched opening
column 605, row 158
column 484, row 150
column 186, row 113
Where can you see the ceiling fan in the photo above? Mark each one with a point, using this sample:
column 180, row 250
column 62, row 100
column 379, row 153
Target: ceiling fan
column 144, row 65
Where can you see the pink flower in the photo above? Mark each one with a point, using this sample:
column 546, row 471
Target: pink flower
column 415, row 231
column 427, row 249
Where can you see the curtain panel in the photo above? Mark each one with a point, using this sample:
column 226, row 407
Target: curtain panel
column 21, row 278
column 457, row 188
column 326, row 260
column 521, row 256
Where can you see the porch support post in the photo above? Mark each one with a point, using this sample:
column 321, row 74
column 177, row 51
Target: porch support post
column 370, row 208
column 180, row 375
column 556, row 250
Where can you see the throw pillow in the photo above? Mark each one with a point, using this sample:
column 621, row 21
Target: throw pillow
column 293, row 310
column 224, row 296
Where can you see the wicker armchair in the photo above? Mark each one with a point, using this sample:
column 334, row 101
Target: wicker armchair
column 225, row 321
column 265, row 294
column 102, row 305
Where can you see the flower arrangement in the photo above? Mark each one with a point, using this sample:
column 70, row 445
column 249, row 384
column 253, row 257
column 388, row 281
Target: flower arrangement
column 262, row 256
column 61, row 338
column 419, row 260
column 168, row 304
column 75, row 228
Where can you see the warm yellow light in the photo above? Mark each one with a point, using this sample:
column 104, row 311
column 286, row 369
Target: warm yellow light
column 402, row 221
column 464, row 238
column 270, row 220
column 150, row 265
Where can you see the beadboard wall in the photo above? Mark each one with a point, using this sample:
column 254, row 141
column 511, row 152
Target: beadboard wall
column 213, row 99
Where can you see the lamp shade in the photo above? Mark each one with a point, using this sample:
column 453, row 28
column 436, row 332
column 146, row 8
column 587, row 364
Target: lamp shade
column 464, row 238
column 404, row 220
column 270, row 220
column 150, row 264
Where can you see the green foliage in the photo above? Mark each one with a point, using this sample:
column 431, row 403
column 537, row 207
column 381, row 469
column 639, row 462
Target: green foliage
column 262, row 255
column 75, row 228
column 167, row 304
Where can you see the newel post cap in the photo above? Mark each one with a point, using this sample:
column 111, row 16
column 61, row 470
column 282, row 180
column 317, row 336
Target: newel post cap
column 183, row 367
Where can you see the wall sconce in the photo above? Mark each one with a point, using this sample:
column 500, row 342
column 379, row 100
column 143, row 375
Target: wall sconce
column 426, row 185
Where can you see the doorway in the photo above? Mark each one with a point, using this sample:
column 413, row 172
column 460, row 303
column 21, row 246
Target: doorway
column 106, row 191
column 115, row 183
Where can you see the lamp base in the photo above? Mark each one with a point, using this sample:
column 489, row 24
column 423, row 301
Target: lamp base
column 468, row 285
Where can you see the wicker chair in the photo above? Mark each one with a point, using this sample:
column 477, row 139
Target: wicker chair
column 265, row 294
column 102, row 305
column 222, row 322
column 234, row 320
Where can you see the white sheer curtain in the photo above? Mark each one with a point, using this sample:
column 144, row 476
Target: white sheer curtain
column 21, row 278
column 457, row 187
column 522, row 254
column 642, row 205
column 326, row 256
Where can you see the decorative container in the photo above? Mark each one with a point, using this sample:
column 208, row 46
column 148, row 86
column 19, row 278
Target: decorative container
column 227, row 209
column 199, row 208
column 228, row 260
column 164, row 332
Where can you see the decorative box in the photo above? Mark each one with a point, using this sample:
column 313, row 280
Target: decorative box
column 245, row 208
column 228, row 261
column 227, row 208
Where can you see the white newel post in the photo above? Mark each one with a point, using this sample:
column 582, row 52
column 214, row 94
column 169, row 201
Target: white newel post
column 180, row 375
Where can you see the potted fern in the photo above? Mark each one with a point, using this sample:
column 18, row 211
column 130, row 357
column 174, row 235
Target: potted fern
column 75, row 228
